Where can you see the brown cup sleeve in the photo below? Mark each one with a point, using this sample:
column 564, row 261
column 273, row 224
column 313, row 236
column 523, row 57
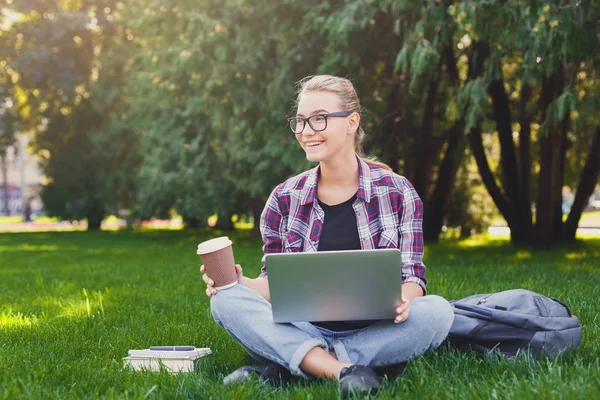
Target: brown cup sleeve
column 220, row 266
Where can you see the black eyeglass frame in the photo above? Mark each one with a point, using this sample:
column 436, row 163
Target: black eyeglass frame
column 307, row 120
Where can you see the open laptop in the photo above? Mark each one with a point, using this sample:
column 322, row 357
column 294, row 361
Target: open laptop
column 335, row 285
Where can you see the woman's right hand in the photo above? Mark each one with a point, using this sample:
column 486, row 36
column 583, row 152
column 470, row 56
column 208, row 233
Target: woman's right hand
column 210, row 290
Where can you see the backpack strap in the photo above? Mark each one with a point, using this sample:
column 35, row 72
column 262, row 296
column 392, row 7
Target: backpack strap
column 564, row 305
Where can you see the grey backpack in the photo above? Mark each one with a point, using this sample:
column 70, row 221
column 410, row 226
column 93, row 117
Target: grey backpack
column 513, row 322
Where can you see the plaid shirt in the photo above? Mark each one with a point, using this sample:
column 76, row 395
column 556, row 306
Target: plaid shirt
column 389, row 214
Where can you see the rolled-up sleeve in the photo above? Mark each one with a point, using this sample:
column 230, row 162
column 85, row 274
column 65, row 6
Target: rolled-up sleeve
column 410, row 236
column 272, row 229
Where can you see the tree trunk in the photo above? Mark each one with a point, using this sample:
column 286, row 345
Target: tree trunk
column 587, row 183
column 511, row 181
column 426, row 148
column 505, row 203
column 224, row 222
column 397, row 128
column 451, row 67
column 547, row 188
column 395, row 120
column 192, row 222
column 436, row 202
column 525, row 162
column 257, row 209
column 505, row 208
column 95, row 215
column 549, row 167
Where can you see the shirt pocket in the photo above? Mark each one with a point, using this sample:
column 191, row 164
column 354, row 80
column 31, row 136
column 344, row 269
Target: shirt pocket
column 293, row 242
column 388, row 239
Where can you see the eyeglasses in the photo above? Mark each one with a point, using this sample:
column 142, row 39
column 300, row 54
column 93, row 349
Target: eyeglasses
column 317, row 122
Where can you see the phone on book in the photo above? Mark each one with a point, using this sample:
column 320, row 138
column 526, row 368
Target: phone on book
column 172, row 348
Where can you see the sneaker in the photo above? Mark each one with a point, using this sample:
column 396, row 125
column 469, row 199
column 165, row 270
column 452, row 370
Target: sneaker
column 359, row 379
column 273, row 374
column 390, row 372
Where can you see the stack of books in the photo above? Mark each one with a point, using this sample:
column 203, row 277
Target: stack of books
column 172, row 358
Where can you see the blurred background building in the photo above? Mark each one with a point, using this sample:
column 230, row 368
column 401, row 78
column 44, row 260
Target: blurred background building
column 23, row 176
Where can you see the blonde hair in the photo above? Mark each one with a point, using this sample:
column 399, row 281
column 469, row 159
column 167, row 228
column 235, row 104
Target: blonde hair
column 345, row 91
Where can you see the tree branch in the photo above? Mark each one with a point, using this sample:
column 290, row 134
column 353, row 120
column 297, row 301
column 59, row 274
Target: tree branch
column 446, row 177
column 451, row 67
column 476, row 143
column 502, row 116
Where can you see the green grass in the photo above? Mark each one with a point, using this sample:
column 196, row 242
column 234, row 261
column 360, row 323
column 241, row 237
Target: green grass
column 15, row 219
column 73, row 303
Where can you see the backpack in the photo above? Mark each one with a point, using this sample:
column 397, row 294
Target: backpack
column 513, row 322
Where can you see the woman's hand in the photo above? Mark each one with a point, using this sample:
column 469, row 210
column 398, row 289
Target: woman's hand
column 210, row 290
column 402, row 311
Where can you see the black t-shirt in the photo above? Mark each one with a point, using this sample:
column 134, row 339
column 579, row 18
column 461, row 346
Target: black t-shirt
column 340, row 232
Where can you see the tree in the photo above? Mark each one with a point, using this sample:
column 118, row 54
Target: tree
column 400, row 56
column 540, row 74
column 212, row 114
column 182, row 157
column 56, row 53
column 191, row 98
column 8, row 118
column 525, row 74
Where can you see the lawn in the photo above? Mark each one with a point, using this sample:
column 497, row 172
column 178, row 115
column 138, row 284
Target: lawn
column 15, row 219
column 73, row 303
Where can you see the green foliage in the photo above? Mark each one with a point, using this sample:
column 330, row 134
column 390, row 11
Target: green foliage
column 540, row 48
column 210, row 105
column 559, row 109
column 63, row 61
column 8, row 129
column 76, row 170
column 191, row 96
column 420, row 62
column 474, row 99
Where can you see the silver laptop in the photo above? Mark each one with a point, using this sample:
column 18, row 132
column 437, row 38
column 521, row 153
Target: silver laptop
column 335, row 285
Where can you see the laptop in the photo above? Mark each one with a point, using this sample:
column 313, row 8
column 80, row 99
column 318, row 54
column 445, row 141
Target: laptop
column 342, row 285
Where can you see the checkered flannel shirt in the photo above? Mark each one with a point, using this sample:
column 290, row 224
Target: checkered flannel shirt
column 389, row 214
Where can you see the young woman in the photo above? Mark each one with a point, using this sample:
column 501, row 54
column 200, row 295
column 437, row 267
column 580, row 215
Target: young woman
column 346, row 203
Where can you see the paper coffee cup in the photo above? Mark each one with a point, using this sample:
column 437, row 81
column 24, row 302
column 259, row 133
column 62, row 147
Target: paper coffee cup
column 217, row 256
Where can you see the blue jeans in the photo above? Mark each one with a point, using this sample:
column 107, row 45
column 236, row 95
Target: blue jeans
column 247, row 318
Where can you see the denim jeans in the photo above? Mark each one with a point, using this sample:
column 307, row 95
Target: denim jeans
column 247, row 318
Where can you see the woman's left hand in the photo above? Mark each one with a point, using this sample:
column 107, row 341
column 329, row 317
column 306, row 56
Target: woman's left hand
column 402, row 311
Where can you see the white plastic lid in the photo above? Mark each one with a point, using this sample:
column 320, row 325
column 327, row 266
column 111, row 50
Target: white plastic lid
column 213, row 245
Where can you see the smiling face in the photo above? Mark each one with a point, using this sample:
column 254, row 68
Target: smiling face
column 337, row 139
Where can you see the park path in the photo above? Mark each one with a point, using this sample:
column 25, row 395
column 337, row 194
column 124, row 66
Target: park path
column 494, row 231
column 582, row 231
